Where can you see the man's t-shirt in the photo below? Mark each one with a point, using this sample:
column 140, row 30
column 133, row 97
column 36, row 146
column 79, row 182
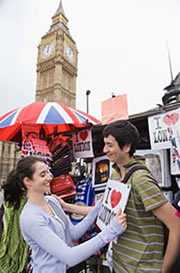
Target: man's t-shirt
column 140, row 247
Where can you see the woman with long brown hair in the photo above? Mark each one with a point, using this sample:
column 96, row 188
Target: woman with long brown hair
column 45, row 226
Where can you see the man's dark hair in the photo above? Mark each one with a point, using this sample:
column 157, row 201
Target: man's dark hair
column 124, row 132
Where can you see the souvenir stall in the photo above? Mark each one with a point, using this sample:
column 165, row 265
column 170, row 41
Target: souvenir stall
column 56, row 133
column 74, row 150
column 38, row 128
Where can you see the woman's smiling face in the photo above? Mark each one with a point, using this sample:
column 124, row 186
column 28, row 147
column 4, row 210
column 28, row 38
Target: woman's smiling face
column 40, row 181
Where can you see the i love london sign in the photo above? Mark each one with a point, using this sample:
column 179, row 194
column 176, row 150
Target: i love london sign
column 115, row 197
column 82, row 144
column 162, row 128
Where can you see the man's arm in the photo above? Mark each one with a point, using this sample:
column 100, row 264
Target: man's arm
column 166, row 214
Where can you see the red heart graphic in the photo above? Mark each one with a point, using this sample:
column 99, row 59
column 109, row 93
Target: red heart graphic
column 83, row 135
column 171, row 119
column 115, row 198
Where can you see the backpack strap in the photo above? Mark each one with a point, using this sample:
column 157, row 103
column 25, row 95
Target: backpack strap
column 135, row 167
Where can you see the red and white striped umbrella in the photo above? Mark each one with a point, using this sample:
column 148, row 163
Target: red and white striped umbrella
column 50, row 116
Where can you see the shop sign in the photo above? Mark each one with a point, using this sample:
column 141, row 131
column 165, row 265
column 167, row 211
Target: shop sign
column 30, row 131
column 82, row 144
column 115, row 108
column 162, row 129
column 115, row 197
column 31, row 144
column 36, row 147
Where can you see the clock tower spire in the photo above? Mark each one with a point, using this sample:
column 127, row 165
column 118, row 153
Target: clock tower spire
column 60, row 9
column 57, row 62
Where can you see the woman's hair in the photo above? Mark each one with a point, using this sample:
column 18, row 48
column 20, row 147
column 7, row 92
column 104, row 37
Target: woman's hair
column 14, row 188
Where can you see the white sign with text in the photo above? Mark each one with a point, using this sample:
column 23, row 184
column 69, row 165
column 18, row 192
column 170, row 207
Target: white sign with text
column 82, row 144
column 161, row 129
column 115, row 197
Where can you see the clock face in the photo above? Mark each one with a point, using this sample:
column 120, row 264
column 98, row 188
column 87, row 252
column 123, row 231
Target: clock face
column 47, row 50
column 69, row 53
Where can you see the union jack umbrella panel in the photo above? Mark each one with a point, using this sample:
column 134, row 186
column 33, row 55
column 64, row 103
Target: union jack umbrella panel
column 51, row 116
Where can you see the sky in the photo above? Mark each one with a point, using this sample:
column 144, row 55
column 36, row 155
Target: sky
column 122, row 49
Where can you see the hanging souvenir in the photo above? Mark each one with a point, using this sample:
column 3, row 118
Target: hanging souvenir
column 82, row 144
column 85, row 196
column 100, row 171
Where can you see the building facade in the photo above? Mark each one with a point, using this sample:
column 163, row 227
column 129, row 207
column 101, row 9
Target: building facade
column 9, row 154
column 57, row 63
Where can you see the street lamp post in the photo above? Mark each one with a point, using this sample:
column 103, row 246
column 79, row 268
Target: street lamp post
column 88, row 92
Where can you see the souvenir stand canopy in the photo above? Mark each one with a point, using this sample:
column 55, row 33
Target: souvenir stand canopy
column 51, row 117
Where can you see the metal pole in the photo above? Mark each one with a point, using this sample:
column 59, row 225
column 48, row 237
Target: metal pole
column 88, row 92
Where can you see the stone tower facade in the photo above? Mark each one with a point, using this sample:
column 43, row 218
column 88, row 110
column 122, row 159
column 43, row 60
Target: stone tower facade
column 57, row 63
column 9, row 154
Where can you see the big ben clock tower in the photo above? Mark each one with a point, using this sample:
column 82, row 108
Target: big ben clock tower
column 57, row 63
